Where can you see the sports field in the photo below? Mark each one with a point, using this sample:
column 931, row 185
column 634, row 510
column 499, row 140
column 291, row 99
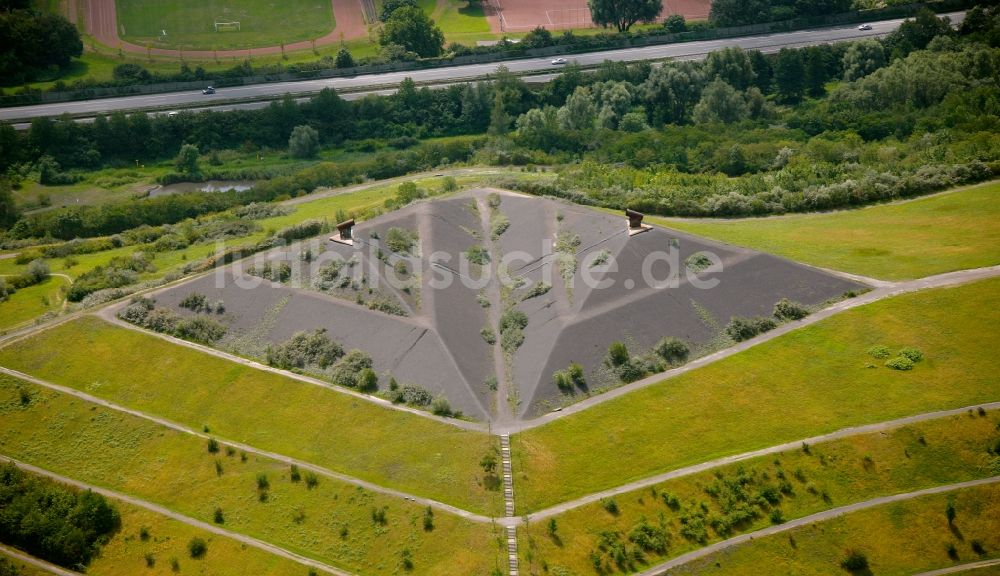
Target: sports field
column 190, row 24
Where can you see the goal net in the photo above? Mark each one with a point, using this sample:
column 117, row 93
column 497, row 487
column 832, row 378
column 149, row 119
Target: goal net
column 227, row 26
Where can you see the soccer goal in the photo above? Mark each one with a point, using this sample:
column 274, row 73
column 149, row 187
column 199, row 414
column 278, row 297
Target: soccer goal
column 227, row 25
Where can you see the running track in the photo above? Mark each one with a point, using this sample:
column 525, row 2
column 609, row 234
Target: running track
column 102, row 24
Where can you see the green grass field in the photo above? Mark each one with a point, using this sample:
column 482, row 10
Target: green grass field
column 459, row 20
column 23, row 568
column 29, row 303
column 814, row 380
column 94, row 444
column 125, row 554
column 941, row 233
column 266, row 410
column 189, row 24
column 850, row 470
column 897, row 539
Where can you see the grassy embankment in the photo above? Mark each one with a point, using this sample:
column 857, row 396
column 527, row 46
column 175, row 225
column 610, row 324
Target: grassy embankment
column 955, row 230
column 896, row 539
column 263, row 409
column 332, row 521
column 820, row 477
column 808, row 382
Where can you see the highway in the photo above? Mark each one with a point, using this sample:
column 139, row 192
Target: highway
column 379, row 83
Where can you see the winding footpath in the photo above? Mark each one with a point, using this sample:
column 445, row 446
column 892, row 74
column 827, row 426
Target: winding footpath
column 247, row 540
column 806, row 520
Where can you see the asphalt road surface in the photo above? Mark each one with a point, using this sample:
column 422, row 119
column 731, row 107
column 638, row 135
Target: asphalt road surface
column 689, row 50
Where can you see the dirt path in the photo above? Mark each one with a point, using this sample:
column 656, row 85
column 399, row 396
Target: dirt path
column 726, row 460
column 36, row 562
column 250, row 449
column 962, row 568
column 888, row 291
column 102, row 24
column 805, row 521
column 247, row 540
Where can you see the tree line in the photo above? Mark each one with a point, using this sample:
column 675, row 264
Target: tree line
column 33, row 42
column 52, row 521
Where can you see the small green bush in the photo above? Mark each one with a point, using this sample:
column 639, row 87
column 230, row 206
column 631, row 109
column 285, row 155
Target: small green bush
column 879, row 352
column 697, row 262
column 855, row 561
column 610, row 505
column 673, row 351
column 617, row 354
column 367, row 380
column 912, row 353
column 536, row 290
column 488, row 335
column 400, row 240
column 900, row 363
column 441, row 407
column 197, row 547
column 478, row 255
column 740, row 329
column 786, row 310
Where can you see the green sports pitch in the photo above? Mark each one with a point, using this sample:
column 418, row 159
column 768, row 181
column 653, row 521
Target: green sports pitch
column 222, row 24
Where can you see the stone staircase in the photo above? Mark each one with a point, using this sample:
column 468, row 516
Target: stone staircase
column 508, row 498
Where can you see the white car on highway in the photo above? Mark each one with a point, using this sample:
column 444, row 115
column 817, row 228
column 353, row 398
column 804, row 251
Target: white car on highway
column 865, row 27
column 559, row 61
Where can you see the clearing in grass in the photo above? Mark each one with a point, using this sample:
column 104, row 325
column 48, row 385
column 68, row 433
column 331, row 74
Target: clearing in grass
column 191, row 24
column 811, row 381
column 266, row 410
column 905, row 537
column 335, row 522
column 956, row 230
column 754, row 494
